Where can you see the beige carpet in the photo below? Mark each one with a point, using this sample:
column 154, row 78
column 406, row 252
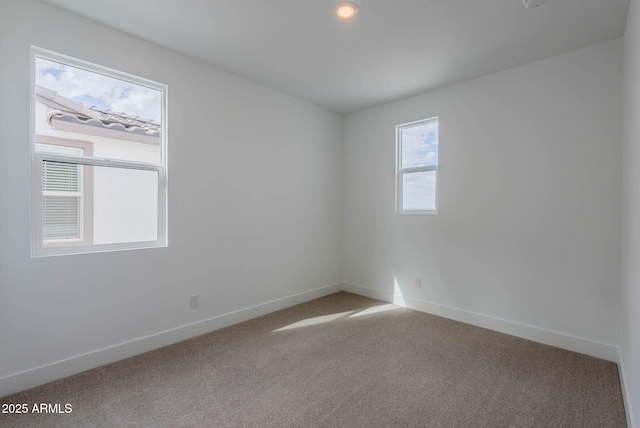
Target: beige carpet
column 339, row 361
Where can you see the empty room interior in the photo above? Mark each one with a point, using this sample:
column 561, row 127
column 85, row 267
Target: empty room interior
column 287, row 213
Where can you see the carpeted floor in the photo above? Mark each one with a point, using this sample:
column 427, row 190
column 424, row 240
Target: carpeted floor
column 339, row 361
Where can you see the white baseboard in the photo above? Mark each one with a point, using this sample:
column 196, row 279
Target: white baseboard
column 548, row 337
column 40, row 375
column 70, row 366
column 367, row 292
column 625, row 391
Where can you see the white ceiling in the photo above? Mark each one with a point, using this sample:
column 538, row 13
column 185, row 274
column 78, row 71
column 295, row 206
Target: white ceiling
column 390, row 50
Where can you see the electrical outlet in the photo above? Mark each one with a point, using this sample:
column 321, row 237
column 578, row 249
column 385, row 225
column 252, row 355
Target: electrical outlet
column 418, row 282
column 194, row 301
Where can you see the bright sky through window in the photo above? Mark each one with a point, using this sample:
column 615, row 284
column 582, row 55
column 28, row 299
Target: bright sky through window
column 420, row 145
column 94, row 89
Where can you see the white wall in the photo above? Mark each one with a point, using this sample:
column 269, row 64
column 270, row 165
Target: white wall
column 527, row 235
column 254, row 209
column 630, row 292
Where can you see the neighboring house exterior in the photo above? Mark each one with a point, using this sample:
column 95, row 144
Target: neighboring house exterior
column 83, row 204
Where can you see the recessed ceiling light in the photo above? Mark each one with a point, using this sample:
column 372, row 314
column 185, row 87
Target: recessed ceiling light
column 346, row 10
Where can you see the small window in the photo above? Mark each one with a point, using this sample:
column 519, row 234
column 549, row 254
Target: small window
column 99, row 158
column 417, row 167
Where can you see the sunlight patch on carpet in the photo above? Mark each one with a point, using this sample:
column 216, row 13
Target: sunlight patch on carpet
column 376, row 310
column 315, row 320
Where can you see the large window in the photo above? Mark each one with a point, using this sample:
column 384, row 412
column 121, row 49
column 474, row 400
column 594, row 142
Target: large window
column 417, row 166
column 98, row 158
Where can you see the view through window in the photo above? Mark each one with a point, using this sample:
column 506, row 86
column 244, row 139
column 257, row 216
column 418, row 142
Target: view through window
column 417, row 166
column 99, row 158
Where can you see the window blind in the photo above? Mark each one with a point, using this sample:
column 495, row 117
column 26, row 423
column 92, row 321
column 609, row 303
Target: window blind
column 61, row 200
column 60, row 217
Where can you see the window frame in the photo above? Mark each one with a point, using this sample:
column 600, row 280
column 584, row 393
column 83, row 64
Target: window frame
column 38, row 246
column 400, row 172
